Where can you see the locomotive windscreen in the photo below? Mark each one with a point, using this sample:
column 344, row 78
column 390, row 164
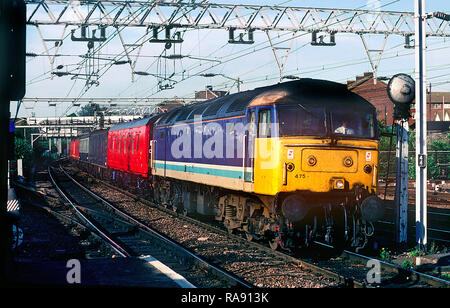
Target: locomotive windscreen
column 359, row 123
column 312, row 120
column 298, row 120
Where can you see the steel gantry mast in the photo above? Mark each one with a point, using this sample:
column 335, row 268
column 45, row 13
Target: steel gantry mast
column 172, row 17
column 204, row 15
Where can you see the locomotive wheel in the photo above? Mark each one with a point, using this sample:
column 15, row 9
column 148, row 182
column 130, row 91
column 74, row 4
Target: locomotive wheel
column 339, row 237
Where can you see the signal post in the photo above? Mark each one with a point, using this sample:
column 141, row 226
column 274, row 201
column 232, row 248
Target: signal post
column 401, row 91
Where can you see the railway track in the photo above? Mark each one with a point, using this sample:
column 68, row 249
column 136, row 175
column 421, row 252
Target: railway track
column 390, row 275
column 130, row 238
column 438, row 223
column 434, row 198
column 349, row 269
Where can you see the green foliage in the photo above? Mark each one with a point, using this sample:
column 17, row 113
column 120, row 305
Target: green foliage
column 24, row 151
column 433, row 248
column 415, row 253
column 438, row 144
column 407, row 264
column 411, row 158
column 385, row 145
column 385, row 255
column 22, row 148
column 89, row 110
column 437, row 162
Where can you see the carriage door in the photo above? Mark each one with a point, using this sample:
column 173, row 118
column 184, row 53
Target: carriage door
column 128, row 150
column 249, row 144
column 151, row 153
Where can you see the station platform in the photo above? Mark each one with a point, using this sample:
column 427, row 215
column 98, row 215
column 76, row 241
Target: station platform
column 115, row 272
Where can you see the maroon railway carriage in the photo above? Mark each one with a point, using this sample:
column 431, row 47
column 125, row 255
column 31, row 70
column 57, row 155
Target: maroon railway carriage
column 74, row 149
column 129, row 146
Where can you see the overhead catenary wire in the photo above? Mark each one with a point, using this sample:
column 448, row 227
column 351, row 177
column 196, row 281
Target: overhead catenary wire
column 246, row 53
column 192, row 70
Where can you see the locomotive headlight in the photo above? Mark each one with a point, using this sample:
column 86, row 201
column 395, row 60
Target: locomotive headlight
column 348, row 161
column 312, row 161
column 339, row 184
column 290, row 167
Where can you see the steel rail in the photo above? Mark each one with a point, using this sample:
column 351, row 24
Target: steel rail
column 431, row 280
column 161, row 237
column 340, row 279
column 86, row 220
column 435, row 281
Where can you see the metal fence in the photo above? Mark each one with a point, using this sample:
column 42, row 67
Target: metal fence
column 438, row 164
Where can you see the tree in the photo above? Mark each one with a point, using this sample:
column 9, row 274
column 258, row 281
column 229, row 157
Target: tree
column 90, row 109
column 24, row 151
column 437, row 159
column 385, row 146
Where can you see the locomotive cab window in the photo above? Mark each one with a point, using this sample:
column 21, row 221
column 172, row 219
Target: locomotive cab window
column 265, row 124
column 359, row 124
column 299, row 120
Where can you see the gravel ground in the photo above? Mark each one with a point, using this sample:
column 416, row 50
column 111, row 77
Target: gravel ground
column 48, row 238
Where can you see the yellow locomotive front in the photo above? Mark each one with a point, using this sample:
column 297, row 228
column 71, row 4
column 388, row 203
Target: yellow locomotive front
column 321, row 164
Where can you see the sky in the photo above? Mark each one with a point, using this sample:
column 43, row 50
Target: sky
column 209, row 52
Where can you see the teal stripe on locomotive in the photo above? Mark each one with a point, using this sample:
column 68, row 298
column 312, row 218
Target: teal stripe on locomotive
column 200, row 170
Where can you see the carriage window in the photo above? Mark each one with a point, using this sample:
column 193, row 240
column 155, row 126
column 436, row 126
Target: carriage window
column 299, row 120
column 265, row 124
column 132, row 143
column 360, row 124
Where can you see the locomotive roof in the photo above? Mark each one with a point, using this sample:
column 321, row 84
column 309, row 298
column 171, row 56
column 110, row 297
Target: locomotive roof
column 305, row 91
column 134, row 123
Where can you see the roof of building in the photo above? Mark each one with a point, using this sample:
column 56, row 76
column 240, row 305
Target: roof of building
column 439, row 97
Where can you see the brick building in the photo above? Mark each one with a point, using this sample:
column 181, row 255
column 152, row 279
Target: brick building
column 438, row 107
column 375, row 92
column 209, row 93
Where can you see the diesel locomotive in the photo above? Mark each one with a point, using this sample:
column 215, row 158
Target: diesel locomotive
column 289, row 163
